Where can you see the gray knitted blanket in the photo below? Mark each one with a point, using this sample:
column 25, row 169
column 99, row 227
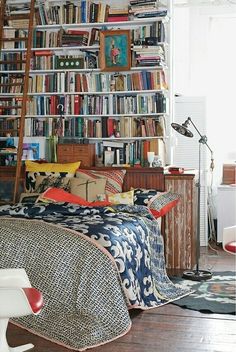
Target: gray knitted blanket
column 86, row 307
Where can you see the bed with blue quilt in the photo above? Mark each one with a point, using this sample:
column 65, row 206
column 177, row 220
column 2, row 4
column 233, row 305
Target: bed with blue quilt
column 92, row 264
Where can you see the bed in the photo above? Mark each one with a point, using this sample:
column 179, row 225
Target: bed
column 92, row 264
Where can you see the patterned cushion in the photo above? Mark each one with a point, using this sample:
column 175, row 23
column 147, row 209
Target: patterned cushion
column 159, row 203
column 114, row 178
column 142, row 195
column 34, row 169
column 44, row 182
column 118, row 198
column 87, row 189
column 28, row 197
column 59, row 195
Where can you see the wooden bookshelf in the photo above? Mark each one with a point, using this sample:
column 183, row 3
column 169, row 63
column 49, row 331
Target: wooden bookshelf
column 85, row 91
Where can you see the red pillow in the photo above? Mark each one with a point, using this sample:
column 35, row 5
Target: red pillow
column 59, row 195
column 163, row 202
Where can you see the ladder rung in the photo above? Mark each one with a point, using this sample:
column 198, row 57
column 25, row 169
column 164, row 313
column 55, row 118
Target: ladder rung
column 19, row 16
column 9, row 107
column 23, row 39
column 13, row 62
column 13, row 75
column 5, row 98
column 11, row 84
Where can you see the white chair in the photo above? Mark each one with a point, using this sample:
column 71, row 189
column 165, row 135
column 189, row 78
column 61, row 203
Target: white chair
column 17, row 298
column 229, row 239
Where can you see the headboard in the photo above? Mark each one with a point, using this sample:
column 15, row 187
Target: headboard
column 139, row 177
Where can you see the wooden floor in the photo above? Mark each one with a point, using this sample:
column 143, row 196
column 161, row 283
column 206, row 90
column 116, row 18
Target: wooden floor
column 165, row 329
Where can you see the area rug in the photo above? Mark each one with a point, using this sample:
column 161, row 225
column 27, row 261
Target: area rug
column 217, row 295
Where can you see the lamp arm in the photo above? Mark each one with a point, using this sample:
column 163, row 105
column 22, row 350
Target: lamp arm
column 203, row 140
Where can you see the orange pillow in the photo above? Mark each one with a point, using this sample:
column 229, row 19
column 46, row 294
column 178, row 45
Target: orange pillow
column 59, row 195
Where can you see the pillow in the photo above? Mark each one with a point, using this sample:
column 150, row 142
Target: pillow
column 59, row 195
column 159, row 203
column 142, row 195
column 44, row 182
column 118, row 198
column 115, row 178
column 51, row 167
column 28, row 197
column 163, row 202
column 87, row 188
column 34, row 169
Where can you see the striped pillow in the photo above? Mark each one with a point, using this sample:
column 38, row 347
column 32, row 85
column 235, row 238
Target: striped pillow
column 115, row 178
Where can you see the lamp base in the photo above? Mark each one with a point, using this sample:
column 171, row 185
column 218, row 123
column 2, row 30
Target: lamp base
column 197, row 275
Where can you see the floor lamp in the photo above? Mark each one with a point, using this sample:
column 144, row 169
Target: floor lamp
column 196, row 275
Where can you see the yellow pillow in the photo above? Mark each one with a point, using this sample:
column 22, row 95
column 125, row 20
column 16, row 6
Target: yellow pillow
column 47, row 169
column 118, row 198
column 32, row 166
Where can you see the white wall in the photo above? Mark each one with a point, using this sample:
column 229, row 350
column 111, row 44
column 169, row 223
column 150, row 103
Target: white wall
column 205, row 56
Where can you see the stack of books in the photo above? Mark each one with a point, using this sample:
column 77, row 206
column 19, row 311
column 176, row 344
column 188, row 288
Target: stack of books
column 118, row 15
column 149, row 55
column 73, row 38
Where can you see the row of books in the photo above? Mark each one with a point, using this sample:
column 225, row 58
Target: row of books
column 83, row 11
column 9, row 125
column 125, row 127
column 139, row 104
column 142, row 34
column 88, row 105
column 130, row 153
column 14, row 33
column 62, row 82
column 71, row 37
column 81, row 127
column 14, row 60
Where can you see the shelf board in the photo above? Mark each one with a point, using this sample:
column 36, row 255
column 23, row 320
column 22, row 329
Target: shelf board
column 91, row 116
column 123, row 138
column 52, row 71
column 124, row 92
column 130, row 23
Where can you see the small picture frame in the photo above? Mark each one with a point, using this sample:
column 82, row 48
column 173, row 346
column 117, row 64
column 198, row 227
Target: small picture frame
column 115, row 52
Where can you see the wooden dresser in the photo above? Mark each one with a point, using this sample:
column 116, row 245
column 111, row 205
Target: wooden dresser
column 180, row 223
column 67, row 153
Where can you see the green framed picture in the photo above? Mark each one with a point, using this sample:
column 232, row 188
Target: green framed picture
column 115, row 50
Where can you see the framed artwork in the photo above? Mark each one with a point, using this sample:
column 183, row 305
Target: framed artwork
column 115, row 50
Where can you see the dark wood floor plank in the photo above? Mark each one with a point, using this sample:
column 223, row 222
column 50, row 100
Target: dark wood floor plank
column 165, row 329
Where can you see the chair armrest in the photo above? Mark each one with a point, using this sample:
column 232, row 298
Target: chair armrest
column 229, row 235
column 13, row 302
column 14, row 278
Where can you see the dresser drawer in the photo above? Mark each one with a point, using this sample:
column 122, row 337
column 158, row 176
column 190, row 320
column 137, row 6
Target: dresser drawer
column 81, row 149
column 76, row 152
column 64, row 148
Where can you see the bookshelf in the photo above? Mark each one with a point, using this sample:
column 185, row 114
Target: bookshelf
column 71, row 97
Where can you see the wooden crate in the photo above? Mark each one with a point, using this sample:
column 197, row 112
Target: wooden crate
column 229, row 174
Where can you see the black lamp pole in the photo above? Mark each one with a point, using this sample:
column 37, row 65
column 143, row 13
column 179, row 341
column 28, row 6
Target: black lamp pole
column 196, row 275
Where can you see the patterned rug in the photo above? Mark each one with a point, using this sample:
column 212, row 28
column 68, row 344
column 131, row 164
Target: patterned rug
column 217, row 295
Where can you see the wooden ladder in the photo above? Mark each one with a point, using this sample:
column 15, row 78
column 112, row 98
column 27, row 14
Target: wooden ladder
column 11, row 79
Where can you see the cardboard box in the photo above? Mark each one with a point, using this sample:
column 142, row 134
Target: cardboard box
column 229, row 174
